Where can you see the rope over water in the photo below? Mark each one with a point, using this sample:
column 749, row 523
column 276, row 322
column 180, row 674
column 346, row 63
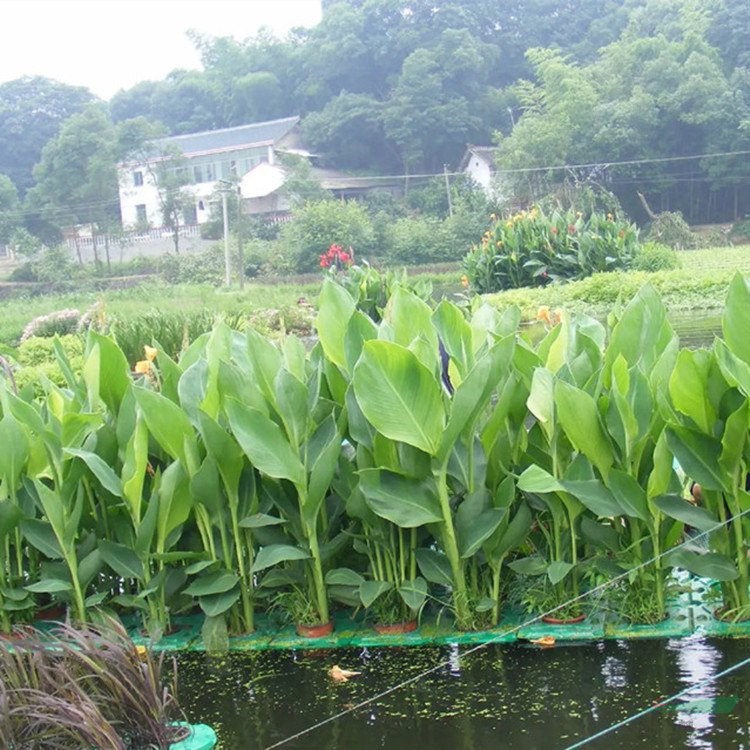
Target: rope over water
column 597, row 589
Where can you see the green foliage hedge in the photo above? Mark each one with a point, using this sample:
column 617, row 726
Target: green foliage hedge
column 431, row 456
column 532, row 248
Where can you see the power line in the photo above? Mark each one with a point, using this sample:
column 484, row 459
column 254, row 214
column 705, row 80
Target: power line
column 604, row 165
column 657, row 706
column 597, row 589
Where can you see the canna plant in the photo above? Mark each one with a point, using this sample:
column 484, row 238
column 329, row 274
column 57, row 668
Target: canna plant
column 708, row 433
column 291, row 431
column 421, row 462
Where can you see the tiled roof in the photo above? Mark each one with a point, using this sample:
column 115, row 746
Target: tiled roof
column 227, row 139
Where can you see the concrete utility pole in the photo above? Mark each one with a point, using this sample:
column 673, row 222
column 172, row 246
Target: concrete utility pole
column 240, row 250
column 448, row 190
column 227, row 264
column 226, row 187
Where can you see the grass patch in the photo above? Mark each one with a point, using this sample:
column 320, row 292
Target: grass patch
column 276, row 296
column 701, row 283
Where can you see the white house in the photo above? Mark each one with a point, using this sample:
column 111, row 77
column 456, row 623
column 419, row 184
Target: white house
column 479, row 163
column 229, row 153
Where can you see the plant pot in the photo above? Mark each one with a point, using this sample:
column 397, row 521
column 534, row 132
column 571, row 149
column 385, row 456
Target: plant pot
column 196, row 737
column 396, row 628
column 568, row 621
column 720, row 613
column 56, row 614
column 315, row 631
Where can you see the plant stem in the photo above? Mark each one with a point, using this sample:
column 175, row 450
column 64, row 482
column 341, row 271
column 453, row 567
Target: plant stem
column 460, row 598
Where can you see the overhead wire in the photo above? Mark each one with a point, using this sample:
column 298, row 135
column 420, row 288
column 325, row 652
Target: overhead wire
column 661, row 704
column 603, row 165
column 600, row 588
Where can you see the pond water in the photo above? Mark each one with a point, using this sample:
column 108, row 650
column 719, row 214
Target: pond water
column 511, row 696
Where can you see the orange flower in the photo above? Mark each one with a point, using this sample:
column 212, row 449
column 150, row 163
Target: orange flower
column 465, row 281
column 544, row 315
column 150, row 353
column 143, row 367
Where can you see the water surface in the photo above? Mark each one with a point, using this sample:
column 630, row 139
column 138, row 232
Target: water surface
column 510, row 696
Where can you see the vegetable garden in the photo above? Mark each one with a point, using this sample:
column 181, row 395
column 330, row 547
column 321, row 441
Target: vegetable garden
column 431, row 459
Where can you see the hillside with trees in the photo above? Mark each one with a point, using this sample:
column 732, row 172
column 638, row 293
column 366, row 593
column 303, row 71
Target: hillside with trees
column 401, row 86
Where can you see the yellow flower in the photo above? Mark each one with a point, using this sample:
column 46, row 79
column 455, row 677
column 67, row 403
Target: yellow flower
column 543, row 314
column 141, row 652
column 493, row 217
column 150, row 353
column 143, row 367
column 465, row 281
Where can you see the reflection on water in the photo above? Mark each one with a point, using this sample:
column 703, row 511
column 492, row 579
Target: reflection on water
column 498, row 697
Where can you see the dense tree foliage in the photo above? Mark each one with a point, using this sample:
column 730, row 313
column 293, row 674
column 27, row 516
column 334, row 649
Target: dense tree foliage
column 401, row 86
column 31, row 113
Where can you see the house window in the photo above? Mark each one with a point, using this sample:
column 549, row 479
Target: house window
column 140, row 214
column 210, row 172
column 198, row 174
column 233, row 167
column 201, row 206
column 189, row 214
column 138, row 179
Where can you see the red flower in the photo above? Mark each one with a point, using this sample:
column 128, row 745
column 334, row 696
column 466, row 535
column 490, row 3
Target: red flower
column 554, row 230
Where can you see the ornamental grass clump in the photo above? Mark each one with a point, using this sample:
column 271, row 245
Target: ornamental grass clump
column 77, row 688
column 533, row 248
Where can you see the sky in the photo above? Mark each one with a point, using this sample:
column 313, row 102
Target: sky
column 108, row 45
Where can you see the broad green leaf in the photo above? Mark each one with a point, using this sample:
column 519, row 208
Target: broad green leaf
column 399, row 396
column 579, row 417
column 369, row 591
column 258, row 520
column 688, row 388
column 707, row 565
column 541, row 401
column 434, row 566
column 175, row 501
column 335, row 308
column 121, row 559
column 291, row 403
column 360, row 329
column 681, row 510
column 214, row 605
column 473, row 534
column 273, row 554
column 39, row 534
column 404, row 501
column 324, row 449
column 698, row 455
column 10, row 517
column 735, row 322
column 595, row 496
column 529, row 566
column 264, row 443
column 343, row 577
column 410, row 318
column 629, row 494
column 212, row 583
column 661, row 475
column 170, row 427
column 734, row 439
column 557, row 571
column 535, row 479
column 226, row 452
column 474, row 392
column 112, row 375
column 49, row 586
column 108, row 479
column 14, row 452
column 599, row 534
column 641, row 335
column 456, row 335
column 134, row 467
column 517, row 531
column 413, row 593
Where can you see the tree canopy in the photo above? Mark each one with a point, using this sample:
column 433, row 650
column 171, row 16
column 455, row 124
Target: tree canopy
column 401, row 86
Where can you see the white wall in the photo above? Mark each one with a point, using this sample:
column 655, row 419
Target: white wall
column 479, row 171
